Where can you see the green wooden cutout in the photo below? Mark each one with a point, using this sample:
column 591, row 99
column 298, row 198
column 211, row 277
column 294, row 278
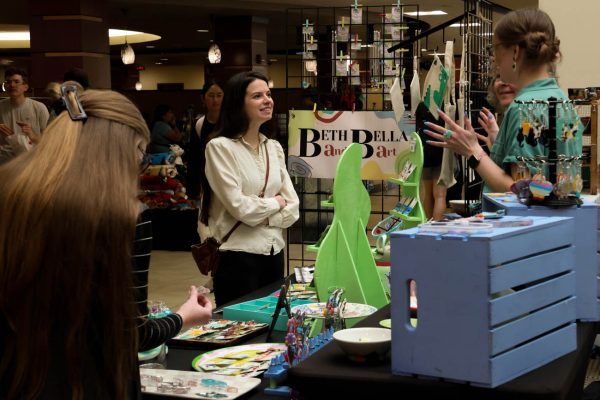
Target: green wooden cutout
column 344, row 257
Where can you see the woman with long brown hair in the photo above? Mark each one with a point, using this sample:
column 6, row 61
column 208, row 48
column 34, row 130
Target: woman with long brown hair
column 68, row 212
column 247, row 181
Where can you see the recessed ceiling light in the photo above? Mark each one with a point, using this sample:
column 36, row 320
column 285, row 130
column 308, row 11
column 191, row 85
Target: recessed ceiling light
column 273, row 60
column 424, row 13
column 150, row 46
column 20, row 35
column 202, row 30
column 164, row 59
column 121, row 32
column 158, row 63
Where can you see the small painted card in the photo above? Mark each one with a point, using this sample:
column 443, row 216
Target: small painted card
column 194, row 385
column 246, row 360
column 219, row 333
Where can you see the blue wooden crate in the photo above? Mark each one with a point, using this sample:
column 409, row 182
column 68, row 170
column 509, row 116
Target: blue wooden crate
column 586, row 245
column 491, row 307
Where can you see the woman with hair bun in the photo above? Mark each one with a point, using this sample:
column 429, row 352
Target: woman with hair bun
column 524, row 45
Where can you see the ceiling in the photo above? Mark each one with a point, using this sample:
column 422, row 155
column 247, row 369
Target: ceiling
column 177, row 22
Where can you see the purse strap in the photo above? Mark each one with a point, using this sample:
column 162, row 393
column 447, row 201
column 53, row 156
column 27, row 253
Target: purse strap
column 261, row 194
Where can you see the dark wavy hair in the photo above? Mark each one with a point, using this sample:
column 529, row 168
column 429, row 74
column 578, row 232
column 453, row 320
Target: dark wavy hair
column 10, row 71
column 208, row 83
column 159, row 112
column 233, row 121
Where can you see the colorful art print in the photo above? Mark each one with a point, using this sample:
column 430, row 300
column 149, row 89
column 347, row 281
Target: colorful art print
column 194, row 385
column 246, row 360
column 219, row 333
column 301, row 290
column 351, row 310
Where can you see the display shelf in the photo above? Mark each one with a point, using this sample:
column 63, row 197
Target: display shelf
column 410, row 186
column 402, row 183
column 408, row 218
column 588, row 113
column 327, row 204
column 311, row 248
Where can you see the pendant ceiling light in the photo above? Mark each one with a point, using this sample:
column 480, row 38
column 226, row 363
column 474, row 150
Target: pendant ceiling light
column 214, row 54
column 127, row 54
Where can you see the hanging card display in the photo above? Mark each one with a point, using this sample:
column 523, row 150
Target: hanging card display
column 356, row 15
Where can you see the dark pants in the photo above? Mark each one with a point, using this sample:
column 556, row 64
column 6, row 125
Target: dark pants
column 240, row 273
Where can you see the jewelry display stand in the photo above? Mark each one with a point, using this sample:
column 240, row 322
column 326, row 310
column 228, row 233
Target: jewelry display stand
column 548, row 137
column 344, row 258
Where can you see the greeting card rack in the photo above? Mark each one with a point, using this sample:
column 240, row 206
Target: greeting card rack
column 344, row 62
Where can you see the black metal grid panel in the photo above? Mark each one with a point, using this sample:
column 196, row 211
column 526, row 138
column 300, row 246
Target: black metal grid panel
column 477, row 27
column 314, row 218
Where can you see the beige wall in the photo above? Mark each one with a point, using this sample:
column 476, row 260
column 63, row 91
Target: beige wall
column 576, row 24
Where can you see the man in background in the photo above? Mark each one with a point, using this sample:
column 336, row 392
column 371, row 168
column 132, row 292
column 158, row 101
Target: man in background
column 22, row 119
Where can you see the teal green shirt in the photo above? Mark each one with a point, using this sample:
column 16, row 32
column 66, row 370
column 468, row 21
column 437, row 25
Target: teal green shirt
column 511, row 141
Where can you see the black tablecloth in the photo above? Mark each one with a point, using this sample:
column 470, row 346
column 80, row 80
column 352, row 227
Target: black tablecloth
column 180, row 358
column 329, row 373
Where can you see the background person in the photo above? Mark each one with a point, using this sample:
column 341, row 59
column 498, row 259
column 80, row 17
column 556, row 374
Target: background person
column 164, row 131
column 524, row 45
column 235, row 173
column 500, row 95
column 22, row 120
column 213, row 96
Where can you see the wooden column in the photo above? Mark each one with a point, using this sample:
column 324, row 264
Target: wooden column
column 243, row 44
column 67, row 34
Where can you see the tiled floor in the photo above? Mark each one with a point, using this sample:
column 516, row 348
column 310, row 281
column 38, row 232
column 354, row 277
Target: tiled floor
column 171, row 274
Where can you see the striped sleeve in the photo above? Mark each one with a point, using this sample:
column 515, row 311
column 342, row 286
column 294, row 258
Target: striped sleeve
column 151, row 331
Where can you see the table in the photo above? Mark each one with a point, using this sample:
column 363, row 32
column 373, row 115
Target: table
column 180, row 358
column 329, row 373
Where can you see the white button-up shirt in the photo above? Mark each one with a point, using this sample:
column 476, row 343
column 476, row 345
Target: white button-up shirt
column 236, row 174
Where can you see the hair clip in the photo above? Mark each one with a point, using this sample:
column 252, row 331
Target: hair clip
column 70, row 96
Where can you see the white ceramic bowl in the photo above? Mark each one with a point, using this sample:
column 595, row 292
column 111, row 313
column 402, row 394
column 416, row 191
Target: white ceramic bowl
column 358, row 343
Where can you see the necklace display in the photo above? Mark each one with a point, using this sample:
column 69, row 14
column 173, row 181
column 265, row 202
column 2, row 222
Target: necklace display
column 552, row 179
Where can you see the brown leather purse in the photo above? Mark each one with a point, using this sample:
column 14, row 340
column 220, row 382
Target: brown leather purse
column 206, row 254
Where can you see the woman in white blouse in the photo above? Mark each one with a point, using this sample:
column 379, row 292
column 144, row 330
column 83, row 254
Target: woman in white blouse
column 236, row 162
